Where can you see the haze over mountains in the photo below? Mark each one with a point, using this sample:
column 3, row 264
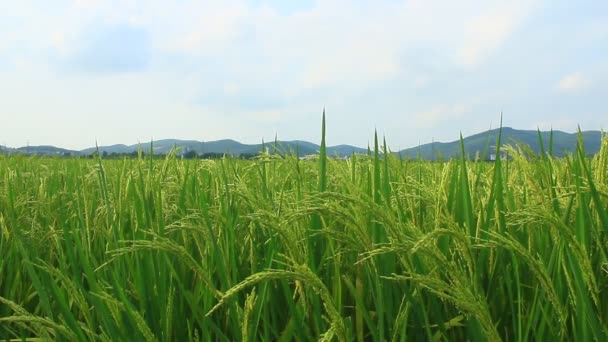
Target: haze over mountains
column 478, row 143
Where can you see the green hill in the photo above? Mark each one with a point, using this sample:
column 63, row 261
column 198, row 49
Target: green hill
column 477, row 144
column 227, row 146
column 481, row 143
column 44, row 150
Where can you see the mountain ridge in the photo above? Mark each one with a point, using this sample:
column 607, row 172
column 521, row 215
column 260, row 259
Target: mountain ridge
column 478, row 143
column 563, row 142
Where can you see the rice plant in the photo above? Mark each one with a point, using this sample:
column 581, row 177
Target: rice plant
column 369, row 248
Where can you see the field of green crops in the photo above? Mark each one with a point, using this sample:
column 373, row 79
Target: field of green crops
column 278, row 248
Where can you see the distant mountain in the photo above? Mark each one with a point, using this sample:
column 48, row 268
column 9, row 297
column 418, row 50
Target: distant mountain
column 480, row 143
column 345, row 150
column 119, row 148
column 474, row 144
column 4, row 149
column 44, row 150
column 201, row 147
column 227, row 146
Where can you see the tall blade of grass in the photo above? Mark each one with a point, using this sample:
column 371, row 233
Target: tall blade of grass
column 465, row 193
column 323, row 158
column 551, row 142
column 386, row 185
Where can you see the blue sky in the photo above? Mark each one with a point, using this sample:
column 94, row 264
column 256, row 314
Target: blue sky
column 73, row 72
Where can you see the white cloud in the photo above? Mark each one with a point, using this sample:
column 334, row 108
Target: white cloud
column 87, row 3
column 586, row 121
column 334, row 42
column 438, row 113
column 487, row 32
column 573, row 82
column 250, row 70
column 421, row 81
column 231, row 88
column 557, row 124
column 204, row 30
column 484, row 35
column 267, row 116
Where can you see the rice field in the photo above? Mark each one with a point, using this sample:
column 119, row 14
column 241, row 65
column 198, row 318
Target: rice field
column 277, row 248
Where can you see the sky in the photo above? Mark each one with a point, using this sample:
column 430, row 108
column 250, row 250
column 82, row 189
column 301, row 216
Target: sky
column 74, row 73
